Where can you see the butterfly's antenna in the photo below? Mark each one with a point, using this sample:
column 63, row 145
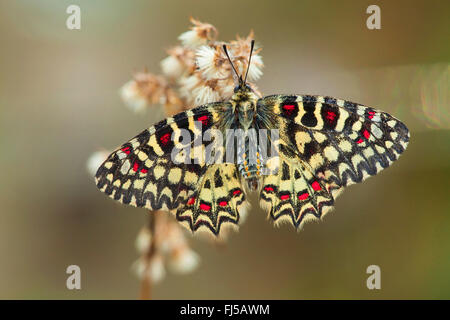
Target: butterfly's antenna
column 231, row 62
column 249, row 60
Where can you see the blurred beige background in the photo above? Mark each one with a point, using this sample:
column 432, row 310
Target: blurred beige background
column 59, row 102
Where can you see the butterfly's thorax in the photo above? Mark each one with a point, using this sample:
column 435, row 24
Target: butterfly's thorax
column 244, row 106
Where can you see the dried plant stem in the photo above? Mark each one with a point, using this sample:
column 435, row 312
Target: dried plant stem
column 146, row 288
column 146, row 282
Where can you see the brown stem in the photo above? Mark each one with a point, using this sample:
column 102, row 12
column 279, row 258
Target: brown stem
column 146, row 282
column 146, row 289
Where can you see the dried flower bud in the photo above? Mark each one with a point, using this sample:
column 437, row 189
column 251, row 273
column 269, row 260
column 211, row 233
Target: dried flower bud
column 199, row 34
column 147, row 89
column 184, row 261
column 166, row 244
column 187, row 85
column 172, row 67
column 196, row 73
column 143, row 240
column 156, row 270
column 210, row 61
column 180, row 61
column 133, row 97
column 205, row 94
column 152, row 269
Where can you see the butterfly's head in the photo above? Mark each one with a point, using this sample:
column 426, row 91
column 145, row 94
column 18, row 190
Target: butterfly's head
column 242, row 87
column 244, row 105
column 244, row 99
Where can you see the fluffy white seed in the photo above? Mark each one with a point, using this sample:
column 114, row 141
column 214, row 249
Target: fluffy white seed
column 184, row 261
column 172, row 67
column 132, row 97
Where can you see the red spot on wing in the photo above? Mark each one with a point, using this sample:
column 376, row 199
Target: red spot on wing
column 205, row 207
column 366, row 134
column 288, row 109
column 143, row 170
column 359, row 141
column 303, row 196
column 165, row 138
column 223, row 203
column 331, row 116
column 191, row 201
column 135, row 166
column 204, row 120
column 236, row 192
column 371, row 114
column 126, row 150
column 268, row 189
column 284, row 197
column 316, row 186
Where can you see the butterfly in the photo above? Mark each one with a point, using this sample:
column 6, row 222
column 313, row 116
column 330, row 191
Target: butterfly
column 323, row 145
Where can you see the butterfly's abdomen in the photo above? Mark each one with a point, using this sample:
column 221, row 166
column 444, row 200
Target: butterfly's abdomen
column 250, row 167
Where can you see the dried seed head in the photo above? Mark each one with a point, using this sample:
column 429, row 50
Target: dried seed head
column 180, row 60
column 172, row 67
column 210, row 62
column 143, row 240
column 183, row 261
column 133, row 97
column 166, row 245
column 199, row 34
column 156, row 270
column 147, row 89
column 205, row 94
column 143, row 90
column 195, row 73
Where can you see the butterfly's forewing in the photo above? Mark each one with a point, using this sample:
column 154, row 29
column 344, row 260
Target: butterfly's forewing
column 143, row 173
column 325, row 145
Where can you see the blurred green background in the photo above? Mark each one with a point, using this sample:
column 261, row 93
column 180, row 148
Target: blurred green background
column 59, row 102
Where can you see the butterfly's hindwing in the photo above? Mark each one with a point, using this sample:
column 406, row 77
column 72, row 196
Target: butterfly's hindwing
column 219, row 201
column 332, row 143
column 294, row 194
